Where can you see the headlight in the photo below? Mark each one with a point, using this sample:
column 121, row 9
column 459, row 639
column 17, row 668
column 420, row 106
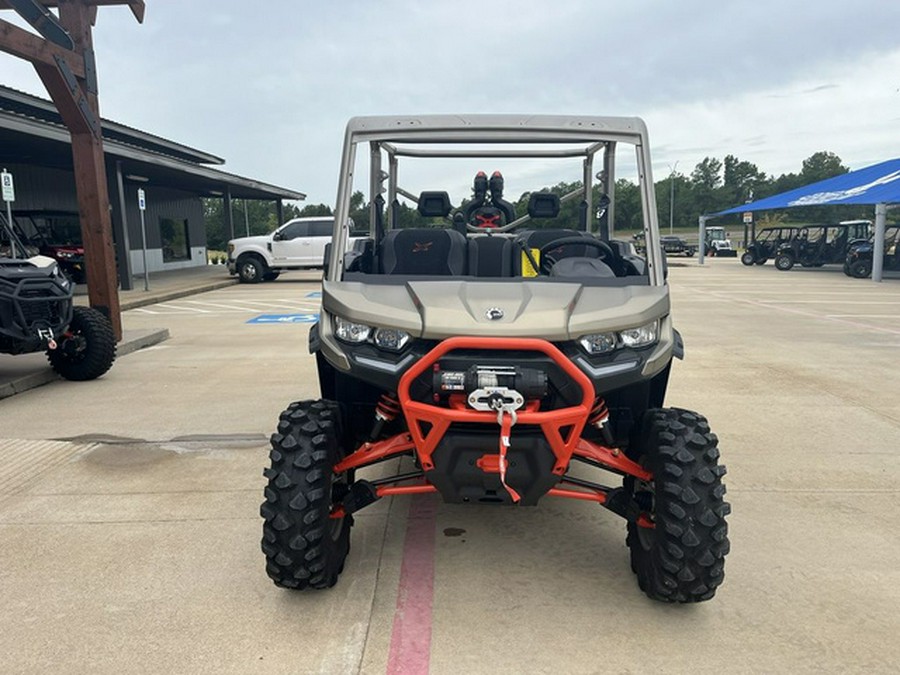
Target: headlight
column 599, row 343
column 351, row 332
column 391, row 338
column 603, row 343
column 230, row 248
column 640, row 336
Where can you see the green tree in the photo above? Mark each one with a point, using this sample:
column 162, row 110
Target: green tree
column 820, row 166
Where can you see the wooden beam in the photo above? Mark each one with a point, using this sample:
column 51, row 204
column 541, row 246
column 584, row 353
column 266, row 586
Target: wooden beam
column 137, row 6
column 19, row 42
column 90, row 178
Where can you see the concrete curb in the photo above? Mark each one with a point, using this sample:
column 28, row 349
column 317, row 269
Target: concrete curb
column 151, row 297
column 42, row 374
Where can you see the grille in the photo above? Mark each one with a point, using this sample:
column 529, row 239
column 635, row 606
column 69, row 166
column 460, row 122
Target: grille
column 36, row 307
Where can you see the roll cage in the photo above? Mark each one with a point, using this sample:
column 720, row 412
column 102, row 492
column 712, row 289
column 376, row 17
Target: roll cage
column 493, row 136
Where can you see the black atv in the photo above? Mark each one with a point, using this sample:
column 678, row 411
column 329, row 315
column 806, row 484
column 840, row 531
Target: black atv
column 766, row 243
column 818, row 245
column 861, row 254
column 37, row 314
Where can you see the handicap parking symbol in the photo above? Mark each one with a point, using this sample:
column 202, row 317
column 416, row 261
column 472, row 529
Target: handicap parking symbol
column 285, row 318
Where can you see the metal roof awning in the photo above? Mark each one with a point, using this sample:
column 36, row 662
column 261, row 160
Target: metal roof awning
column 32, row 132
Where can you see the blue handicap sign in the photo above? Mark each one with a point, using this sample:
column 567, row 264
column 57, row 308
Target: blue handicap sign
column 314, row 294
column 285, row 318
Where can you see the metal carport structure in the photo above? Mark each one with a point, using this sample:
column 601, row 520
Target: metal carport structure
column 877, row 185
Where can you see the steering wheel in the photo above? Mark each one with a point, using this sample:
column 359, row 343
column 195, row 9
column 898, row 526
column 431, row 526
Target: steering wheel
column 606, row 253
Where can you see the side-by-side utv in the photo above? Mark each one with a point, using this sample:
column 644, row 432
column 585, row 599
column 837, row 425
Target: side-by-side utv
column 506, row 353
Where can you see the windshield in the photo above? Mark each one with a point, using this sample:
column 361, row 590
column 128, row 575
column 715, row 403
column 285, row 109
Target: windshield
column 494, row 196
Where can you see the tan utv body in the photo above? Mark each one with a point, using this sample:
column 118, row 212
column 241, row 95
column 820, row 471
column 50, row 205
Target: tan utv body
column 495, row 346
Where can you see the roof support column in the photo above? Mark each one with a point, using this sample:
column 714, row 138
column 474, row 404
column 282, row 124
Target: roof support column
column 229, row 217
column 123, row 245
column 703, row 220
column 279, row 212
column 878, row 243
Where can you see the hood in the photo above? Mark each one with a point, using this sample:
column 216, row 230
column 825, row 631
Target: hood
column 550, row 310
column 258, row 240
column 28, row 266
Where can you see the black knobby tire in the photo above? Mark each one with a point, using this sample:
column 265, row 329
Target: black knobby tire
column 251, row 269
column 861, row 269
column 304, row 546
column 784, row 262
column 748, row 258
column 271, row 276
column 681, row 558
column 88, row 347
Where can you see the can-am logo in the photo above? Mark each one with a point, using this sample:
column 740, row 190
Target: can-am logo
column 494, row 314
column 419, row 246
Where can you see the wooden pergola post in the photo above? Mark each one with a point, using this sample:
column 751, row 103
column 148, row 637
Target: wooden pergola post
column 64, row 60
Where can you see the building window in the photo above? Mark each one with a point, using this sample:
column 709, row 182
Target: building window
column 175, row 242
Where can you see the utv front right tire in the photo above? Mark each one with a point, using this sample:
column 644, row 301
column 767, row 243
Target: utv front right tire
column 304, row 546
column 861, row 269
column 784, row 262
column 86, row 349
column 678, row 551
column 748, row 258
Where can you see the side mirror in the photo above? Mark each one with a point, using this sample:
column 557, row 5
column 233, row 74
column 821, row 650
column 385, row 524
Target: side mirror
column 277, row 236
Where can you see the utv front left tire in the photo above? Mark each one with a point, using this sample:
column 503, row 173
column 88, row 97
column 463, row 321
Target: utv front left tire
column 678, row 549
column 87, row 349
column 304, row 546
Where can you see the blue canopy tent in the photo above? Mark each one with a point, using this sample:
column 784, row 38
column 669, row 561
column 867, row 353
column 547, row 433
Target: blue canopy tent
column 878, row 184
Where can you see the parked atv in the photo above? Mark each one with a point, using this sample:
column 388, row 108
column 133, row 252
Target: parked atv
column 766, row 243
column 818, row 245
column 37, row 314
column 861, row 254
column 496, row 356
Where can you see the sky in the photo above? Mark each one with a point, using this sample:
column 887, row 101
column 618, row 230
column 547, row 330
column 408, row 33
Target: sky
column 269, row 85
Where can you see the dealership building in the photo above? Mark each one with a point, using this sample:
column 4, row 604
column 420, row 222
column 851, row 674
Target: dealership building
column 35, row 147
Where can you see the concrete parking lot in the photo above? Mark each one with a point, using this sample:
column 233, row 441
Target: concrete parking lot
column 130, row 529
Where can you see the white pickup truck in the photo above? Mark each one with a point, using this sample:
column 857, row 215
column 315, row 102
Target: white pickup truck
column 298, row 244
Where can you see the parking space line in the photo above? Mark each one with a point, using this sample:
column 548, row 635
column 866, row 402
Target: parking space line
column 799, row 312
column 410, row 651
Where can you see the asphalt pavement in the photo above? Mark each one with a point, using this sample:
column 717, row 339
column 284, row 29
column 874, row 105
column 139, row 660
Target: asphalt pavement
column 130, row 529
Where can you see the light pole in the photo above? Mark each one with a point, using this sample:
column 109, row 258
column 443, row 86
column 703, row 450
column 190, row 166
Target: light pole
column 672, row 168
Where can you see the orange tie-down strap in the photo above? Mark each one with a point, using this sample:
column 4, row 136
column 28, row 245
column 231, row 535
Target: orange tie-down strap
column 499, row 463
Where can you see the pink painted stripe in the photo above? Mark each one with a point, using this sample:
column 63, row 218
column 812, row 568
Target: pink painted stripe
column 410, row 652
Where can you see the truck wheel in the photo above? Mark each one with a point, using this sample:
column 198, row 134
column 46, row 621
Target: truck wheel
column 681, row 558
column 861, row 269
column 784, row 262
column 271, row 276
column 87, row 349
column 748, row 258
column 304, row 546
column 251, row 269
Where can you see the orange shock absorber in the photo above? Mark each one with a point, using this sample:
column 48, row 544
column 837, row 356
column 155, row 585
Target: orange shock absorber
column 386, row 410
column 599, row 418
